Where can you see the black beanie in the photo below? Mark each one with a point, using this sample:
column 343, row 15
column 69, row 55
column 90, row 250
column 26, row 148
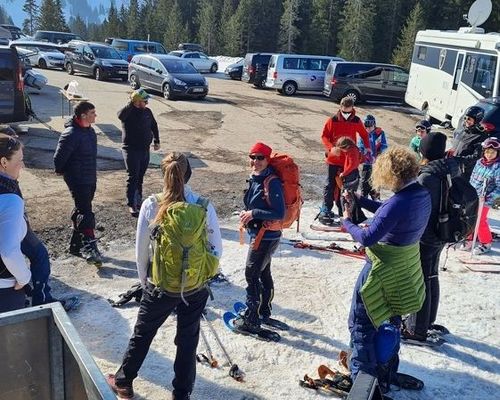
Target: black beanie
column 433, row 146
column 187, row 175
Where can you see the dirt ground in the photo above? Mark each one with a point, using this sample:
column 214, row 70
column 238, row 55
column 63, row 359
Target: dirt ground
column 216, row 132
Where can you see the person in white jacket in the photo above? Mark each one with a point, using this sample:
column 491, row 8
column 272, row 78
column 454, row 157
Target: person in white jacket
column 157, row 304
column 14, row 270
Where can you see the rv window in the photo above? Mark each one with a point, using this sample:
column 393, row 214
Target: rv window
column 484, row 75
column 422, row 52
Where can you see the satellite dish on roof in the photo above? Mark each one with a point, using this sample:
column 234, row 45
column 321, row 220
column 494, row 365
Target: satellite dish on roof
column 479, row 12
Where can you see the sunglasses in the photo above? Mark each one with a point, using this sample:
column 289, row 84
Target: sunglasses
column 256, row 157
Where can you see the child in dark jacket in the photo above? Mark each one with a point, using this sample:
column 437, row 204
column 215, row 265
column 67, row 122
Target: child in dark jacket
column 486, row 180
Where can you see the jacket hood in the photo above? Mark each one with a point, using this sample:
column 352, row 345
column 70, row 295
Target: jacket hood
column 442, row 167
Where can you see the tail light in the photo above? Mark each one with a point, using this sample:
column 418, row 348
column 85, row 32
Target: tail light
column 20, row 80
column 275, row 75
column 333, row 82
column 251, row 69
column 488, row 126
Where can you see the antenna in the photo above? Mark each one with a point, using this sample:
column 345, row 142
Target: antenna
column 479, row 12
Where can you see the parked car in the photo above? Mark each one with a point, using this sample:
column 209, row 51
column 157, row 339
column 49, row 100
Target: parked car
column 12, row 101
column 55, row 37
column 260, row 76
column 235, row 70
column 289, row 73
column 170, row 75
column 95, row 59
column 42, row 54
column 198, row 59
column 365, row 81
column 129, row 48
column 250, row 64
column 491, row 119
column 190, row 47
column 15, row 32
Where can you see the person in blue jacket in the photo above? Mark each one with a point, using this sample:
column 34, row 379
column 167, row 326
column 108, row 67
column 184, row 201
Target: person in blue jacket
column 398, row 221
column 378, row 144
column 260, row 286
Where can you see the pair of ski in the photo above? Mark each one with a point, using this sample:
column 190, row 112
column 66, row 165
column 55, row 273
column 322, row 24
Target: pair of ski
column 356, row 252
column 267, row 335
column 481, row 263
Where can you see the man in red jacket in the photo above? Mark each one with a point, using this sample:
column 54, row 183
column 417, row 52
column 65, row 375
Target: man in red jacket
column 343, row 123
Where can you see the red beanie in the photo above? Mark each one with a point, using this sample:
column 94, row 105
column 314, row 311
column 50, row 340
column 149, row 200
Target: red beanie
column 261, row 148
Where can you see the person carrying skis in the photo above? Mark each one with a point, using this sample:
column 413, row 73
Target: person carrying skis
column 175, row 217
column 378, row 144
column 435, row 167
column 422, row 129
column 468, row 141
column 260, row 208
column 76, row 159
column 392, row 244
column 486, row 180
column 344, row 123
column 139, row 128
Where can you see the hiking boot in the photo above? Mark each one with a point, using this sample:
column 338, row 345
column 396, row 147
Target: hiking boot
column 123, row 392
column 244, row 325
column 91, row 253
column 481, row 249
column 327, row 218
column 75, row 243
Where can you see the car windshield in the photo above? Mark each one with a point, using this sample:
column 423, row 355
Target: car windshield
column 106, row 52
column 179, row 67
column 175, row 53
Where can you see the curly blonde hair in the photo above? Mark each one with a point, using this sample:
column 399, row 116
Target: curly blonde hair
column 394, row 168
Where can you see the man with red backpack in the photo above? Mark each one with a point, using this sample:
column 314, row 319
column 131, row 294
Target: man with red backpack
column 344, row 123
column 260, row 207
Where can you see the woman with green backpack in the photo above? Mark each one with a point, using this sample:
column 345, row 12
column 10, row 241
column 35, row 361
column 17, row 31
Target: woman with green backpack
column 187, row 245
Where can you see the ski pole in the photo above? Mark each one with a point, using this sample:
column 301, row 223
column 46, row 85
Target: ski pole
column 478, row 220
column 210, row 360
column 234, row 371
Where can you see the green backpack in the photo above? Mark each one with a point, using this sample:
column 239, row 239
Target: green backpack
column 182, row 261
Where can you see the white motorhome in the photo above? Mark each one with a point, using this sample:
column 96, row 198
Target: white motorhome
column 452, row 70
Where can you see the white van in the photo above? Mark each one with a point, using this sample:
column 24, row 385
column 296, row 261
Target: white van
column 288, row 73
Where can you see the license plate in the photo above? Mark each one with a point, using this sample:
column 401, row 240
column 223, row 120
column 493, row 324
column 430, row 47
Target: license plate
column 122, row 72
column 198, row 90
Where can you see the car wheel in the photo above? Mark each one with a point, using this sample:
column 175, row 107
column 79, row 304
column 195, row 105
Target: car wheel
column 167, row 93
column 42, row 63
column 289, row 88
column 134, row 82
column 213, row 68
column 354, row 95
column 262, row 83
column 69, row 68
column 98, row 74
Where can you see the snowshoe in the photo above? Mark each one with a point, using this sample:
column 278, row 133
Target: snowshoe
column 432, row 340
column 240, row 308
column 407, row 382
column 237, row 324
column 438, row 329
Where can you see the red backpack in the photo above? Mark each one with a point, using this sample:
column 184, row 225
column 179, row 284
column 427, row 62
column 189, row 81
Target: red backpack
column 288, row 172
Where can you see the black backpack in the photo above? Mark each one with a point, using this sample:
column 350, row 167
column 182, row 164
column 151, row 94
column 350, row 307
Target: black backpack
column 458, row 209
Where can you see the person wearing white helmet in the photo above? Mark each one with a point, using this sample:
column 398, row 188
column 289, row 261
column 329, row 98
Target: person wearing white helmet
column 139, row 129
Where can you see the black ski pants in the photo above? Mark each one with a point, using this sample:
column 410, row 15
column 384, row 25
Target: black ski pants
column 136, row 163
column 82, row 216
column 366, row 174
column 11, row 299
column 153, row 311
column 260, row 285
column 419, row 322
column 330, row 187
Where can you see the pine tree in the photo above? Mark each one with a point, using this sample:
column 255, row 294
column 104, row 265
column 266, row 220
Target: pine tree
column 48, row 19
column 228, row 30
column 4, row 17
column 61, row 25
column 31, row 8
column 207, row 25
column 357, row 32
column 391, row 15
column 414, row 23
column 113, row 25
column 77, row 25
column 324, row 26
column 288, row 29
column 133, row 22
column 176, row 31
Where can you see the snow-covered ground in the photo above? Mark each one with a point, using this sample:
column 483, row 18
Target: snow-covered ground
column 313, row 295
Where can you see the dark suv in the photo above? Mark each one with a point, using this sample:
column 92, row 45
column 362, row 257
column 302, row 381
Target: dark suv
column 491, row 119
column 12, row 102
column 171, row 75
column 250, row 65
column 95, row 59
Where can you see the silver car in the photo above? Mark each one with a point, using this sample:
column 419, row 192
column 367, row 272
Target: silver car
column 289, row 73
column 199, row 60
column 42, row 54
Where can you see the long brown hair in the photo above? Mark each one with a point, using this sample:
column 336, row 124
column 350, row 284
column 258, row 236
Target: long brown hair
column 174, row 167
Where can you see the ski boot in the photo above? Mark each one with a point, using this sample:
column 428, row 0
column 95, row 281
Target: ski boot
column 326, row 217
column 90, row 252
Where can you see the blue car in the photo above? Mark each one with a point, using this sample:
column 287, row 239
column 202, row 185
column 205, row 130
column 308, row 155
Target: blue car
column 129, row 48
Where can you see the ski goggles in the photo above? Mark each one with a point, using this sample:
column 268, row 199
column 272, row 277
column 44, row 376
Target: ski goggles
column 491, row 143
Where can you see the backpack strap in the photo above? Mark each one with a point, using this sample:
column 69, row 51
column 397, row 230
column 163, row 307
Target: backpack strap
column 203, row 202
column 263, row 228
